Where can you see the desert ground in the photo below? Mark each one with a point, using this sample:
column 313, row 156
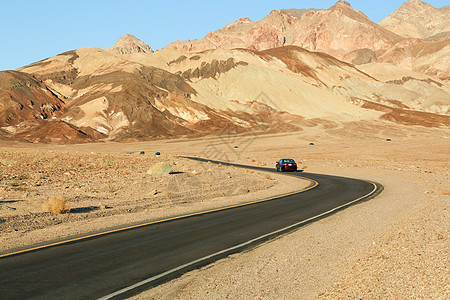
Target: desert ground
column 392, row 246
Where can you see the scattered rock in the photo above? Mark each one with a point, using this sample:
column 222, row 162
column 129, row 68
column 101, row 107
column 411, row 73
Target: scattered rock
column 162, row 168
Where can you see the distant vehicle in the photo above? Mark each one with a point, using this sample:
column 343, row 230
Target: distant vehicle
column 286, row 164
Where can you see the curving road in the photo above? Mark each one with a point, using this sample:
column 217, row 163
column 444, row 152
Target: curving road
column 124, row 262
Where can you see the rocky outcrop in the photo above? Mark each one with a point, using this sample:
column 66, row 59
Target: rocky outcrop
column 129, row 44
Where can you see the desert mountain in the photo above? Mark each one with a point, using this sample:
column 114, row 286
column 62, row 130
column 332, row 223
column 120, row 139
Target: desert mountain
column 336, row 31
column 128, row 44
column 267, row 84
column 417, row 19
column 344, row 33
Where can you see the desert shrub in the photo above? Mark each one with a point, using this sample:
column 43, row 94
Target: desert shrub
column 57, row 205
column 267, row 177
column 162, row 168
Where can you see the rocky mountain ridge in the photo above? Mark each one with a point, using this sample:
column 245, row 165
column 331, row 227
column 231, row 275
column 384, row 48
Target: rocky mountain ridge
column 417, row 19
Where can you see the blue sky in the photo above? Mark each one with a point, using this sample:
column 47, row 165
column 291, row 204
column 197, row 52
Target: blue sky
column 34, row 30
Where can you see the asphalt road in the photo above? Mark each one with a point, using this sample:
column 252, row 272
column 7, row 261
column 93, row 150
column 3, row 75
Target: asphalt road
column 100, row 266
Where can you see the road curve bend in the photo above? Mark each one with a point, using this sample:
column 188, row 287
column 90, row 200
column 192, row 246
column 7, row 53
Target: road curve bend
column 120, row 263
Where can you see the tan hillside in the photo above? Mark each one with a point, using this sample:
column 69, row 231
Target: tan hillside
column 309, row 84
column 429, row 57
column 417, row 19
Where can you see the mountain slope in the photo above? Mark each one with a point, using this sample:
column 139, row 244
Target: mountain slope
column 292, row 79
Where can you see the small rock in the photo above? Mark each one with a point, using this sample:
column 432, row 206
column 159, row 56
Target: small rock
column 162, row 168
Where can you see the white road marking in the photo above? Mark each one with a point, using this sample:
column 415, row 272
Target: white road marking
column 148, row 280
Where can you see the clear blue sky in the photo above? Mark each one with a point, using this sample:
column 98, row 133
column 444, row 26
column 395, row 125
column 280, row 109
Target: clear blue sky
column 34, row 30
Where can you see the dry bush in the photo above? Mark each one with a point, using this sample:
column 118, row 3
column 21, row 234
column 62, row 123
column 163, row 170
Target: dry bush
column 165, row 193
column 446, row 192
column 267, row 177
column 57, row 205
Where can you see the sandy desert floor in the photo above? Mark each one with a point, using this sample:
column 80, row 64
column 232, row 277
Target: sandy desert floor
column 393, row 246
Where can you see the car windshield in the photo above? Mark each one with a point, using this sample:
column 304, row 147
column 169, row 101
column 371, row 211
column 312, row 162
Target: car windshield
column 288, row 161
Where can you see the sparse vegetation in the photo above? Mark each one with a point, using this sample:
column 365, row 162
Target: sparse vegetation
column 58, row 205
